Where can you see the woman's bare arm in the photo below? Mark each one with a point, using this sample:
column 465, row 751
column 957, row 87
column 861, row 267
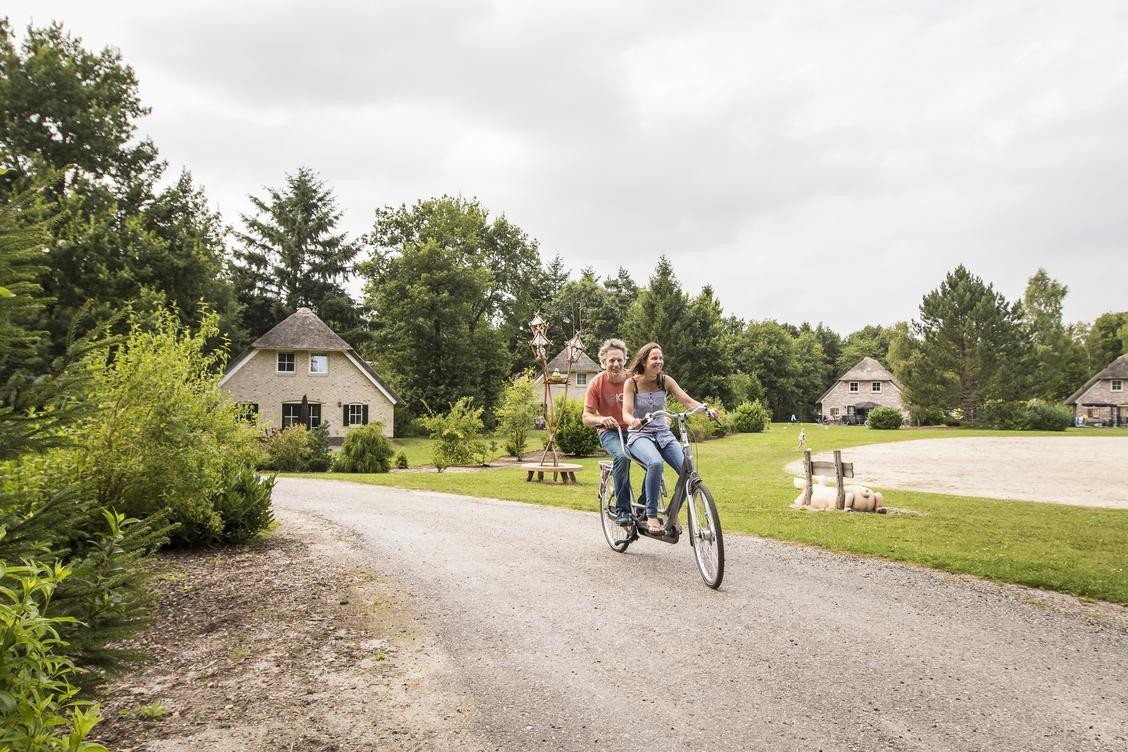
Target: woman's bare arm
column 628, row 403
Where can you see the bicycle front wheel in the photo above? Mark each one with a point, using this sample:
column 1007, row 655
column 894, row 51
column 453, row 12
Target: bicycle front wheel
column 615, row 533
column 705, row 536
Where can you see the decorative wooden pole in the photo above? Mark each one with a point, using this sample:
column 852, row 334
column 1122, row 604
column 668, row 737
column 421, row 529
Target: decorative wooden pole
column 810, row 477
column 840, row 502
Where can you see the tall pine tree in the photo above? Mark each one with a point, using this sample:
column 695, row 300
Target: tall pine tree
column 292, row 255
column 971, row 347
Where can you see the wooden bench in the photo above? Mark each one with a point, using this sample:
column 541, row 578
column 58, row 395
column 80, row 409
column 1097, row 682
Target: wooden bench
column 840, row 469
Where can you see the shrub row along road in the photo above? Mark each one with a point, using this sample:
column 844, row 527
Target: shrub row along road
column 560, row 643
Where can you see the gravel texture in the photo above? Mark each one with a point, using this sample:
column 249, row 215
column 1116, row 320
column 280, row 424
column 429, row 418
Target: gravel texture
column 563, row 644
column 1085, row 470
column 295, row 643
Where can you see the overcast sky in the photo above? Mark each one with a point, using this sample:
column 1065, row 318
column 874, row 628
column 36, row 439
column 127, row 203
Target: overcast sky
column 815, row 161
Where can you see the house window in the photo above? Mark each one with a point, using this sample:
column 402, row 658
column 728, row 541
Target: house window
column 875, row 386
column 834, row 412
column 285, row 362
column 355, row 415
column 318, row 363
column 853, row 386
column 581, row 379
column 292, row 414
column 1117, row 385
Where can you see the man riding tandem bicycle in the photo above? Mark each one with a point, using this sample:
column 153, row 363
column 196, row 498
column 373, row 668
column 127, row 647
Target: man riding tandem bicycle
column 649, row 442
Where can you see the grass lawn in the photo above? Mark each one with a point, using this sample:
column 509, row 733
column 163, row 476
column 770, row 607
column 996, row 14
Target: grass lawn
column 1055, row 546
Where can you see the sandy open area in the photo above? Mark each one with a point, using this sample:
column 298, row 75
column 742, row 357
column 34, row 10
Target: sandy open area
column 1085, row 470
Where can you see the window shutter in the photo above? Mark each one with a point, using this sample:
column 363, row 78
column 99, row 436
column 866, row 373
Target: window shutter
column 364, row 414
column 345, row 418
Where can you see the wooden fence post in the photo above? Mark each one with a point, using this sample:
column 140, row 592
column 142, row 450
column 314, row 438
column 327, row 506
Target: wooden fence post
column 840, row 502
column 808, row 473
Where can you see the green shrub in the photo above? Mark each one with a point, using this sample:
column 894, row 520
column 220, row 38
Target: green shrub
column 1000, row 414
column 39, row 710
column 320, row 458
column 108, row 592
column 519, row 408
column 1035, row 415
column 401, row 461
column 1047, row 416
column 365, row 450
column 243, row 505
column 110, row 557
column 165, row 437
column 288, row 450
column 884, row 418
column 457, row 436
column 750, row 417
column 573, row 437
column 702, row 427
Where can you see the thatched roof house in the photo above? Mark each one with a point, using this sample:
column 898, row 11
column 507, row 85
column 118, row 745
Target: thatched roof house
column 1103, row 400
column 865, row 386
column 302, row 371
column 582, row 372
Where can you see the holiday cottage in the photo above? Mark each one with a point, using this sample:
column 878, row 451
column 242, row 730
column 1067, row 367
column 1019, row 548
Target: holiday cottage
column 301, row 371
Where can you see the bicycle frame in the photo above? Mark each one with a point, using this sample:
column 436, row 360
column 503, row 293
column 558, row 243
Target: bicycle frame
column 687, row 478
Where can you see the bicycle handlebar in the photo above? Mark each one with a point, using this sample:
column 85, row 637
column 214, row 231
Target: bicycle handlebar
column 646, row 419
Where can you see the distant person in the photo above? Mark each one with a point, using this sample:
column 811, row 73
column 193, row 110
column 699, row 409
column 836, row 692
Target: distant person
column 645, row 392
column 802, row 438
column 603, row 411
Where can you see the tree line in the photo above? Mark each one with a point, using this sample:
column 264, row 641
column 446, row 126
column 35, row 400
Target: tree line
column 447, row 286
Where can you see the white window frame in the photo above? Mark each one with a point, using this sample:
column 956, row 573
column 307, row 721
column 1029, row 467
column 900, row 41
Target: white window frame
column 1117, row 385
column 356, row 414
column 875, row 387
column 311, row 361
column 853, row 387
column 292, row 363
column 581, row 379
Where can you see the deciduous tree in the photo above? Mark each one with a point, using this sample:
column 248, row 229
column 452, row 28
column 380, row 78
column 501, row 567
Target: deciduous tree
column 448, row 291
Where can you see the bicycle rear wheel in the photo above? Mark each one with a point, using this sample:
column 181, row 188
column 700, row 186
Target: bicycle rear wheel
column 616, row 534
column 705, row 536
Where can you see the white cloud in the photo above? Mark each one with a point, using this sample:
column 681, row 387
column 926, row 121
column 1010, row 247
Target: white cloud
column 819, row 161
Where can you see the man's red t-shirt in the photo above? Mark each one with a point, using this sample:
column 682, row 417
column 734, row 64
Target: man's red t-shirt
column 605, row 398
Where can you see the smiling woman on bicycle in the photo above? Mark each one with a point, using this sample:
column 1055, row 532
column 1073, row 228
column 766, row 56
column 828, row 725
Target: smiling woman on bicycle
column 645, row 392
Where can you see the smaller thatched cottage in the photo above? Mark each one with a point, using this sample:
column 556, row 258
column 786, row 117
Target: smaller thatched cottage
column 1103, row 400
column 583, row 371
column 864, row 387
column 301, row 371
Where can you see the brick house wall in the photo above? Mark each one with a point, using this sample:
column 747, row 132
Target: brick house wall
column 841, row 397
column 576, row 389
column 1101, row 392
column 258, row 381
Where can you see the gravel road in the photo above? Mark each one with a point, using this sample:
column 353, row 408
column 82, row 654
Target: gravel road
column 1084, row 470
column 563, row 644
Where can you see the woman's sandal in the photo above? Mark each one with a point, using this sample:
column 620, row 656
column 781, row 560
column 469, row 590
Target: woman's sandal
column 653, row 526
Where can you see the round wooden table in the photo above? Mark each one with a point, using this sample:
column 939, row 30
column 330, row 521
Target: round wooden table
column 565, row 471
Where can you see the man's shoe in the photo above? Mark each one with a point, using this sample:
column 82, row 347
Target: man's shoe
column 623, row 518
